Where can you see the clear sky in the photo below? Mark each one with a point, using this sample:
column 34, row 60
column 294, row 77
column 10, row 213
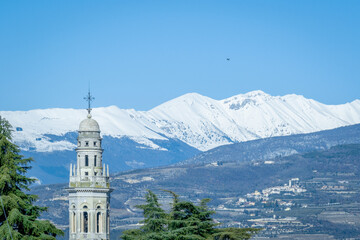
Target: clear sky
column 138, row 54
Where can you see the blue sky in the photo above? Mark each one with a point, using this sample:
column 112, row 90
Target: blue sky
column 138, row 54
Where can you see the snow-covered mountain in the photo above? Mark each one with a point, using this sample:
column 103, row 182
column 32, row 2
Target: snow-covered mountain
column 197, row 120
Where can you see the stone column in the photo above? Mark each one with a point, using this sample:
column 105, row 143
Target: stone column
column 78, row 221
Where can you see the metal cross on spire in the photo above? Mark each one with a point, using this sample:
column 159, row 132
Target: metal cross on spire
column 89, row 98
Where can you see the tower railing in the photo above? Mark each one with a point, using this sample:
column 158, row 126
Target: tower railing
column 89, row 181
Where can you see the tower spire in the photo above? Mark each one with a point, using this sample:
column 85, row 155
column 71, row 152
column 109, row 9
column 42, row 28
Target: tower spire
column 89, row 98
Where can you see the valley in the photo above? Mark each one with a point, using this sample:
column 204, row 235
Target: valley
column 314, row 193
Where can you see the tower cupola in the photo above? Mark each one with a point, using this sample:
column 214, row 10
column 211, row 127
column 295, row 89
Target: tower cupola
column 89, row 125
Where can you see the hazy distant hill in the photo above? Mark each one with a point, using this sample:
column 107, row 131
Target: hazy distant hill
column 269, row 148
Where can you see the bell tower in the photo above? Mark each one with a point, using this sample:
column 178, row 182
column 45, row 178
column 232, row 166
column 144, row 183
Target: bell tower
column 89, row 187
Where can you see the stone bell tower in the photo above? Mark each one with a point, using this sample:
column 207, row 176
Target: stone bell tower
column 89, row 188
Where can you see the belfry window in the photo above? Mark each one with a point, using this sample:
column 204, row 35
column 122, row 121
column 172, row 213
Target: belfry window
column 86, row 160
column 95, row 144
column 86, row 220
column 86, row 143
column 85, row 223
column 98, row 223
column 95, row 161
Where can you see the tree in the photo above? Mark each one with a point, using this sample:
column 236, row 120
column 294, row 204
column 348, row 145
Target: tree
column 234, row 233
column 185, row 221
column 155, row 221
column 5, row 128
column 188, row 221
column 18, row 214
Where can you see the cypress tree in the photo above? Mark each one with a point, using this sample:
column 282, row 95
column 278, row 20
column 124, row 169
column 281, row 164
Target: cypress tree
column 17, row 205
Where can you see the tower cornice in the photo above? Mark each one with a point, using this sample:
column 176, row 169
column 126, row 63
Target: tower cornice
column 89, row 189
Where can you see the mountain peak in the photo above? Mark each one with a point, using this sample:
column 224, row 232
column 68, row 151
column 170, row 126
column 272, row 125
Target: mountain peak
column 253, row 96
column 188, row 99
column 256, row 93
column 191, row 96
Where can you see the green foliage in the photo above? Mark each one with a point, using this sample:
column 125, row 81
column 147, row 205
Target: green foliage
column 155, row 216
column 21, row 213
column 185, row 221
column 234, row 233
column 5, row 128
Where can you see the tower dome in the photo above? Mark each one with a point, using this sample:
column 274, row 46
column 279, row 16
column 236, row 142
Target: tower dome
column 89, row 125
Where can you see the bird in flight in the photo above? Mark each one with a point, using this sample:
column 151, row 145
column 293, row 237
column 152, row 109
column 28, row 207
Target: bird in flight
column 228, row 59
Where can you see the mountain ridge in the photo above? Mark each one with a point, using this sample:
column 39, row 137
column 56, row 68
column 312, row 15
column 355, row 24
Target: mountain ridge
column 197, row 120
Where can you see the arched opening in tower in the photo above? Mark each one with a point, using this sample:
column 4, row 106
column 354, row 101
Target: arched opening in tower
column 98, row 222
column 86, row 222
